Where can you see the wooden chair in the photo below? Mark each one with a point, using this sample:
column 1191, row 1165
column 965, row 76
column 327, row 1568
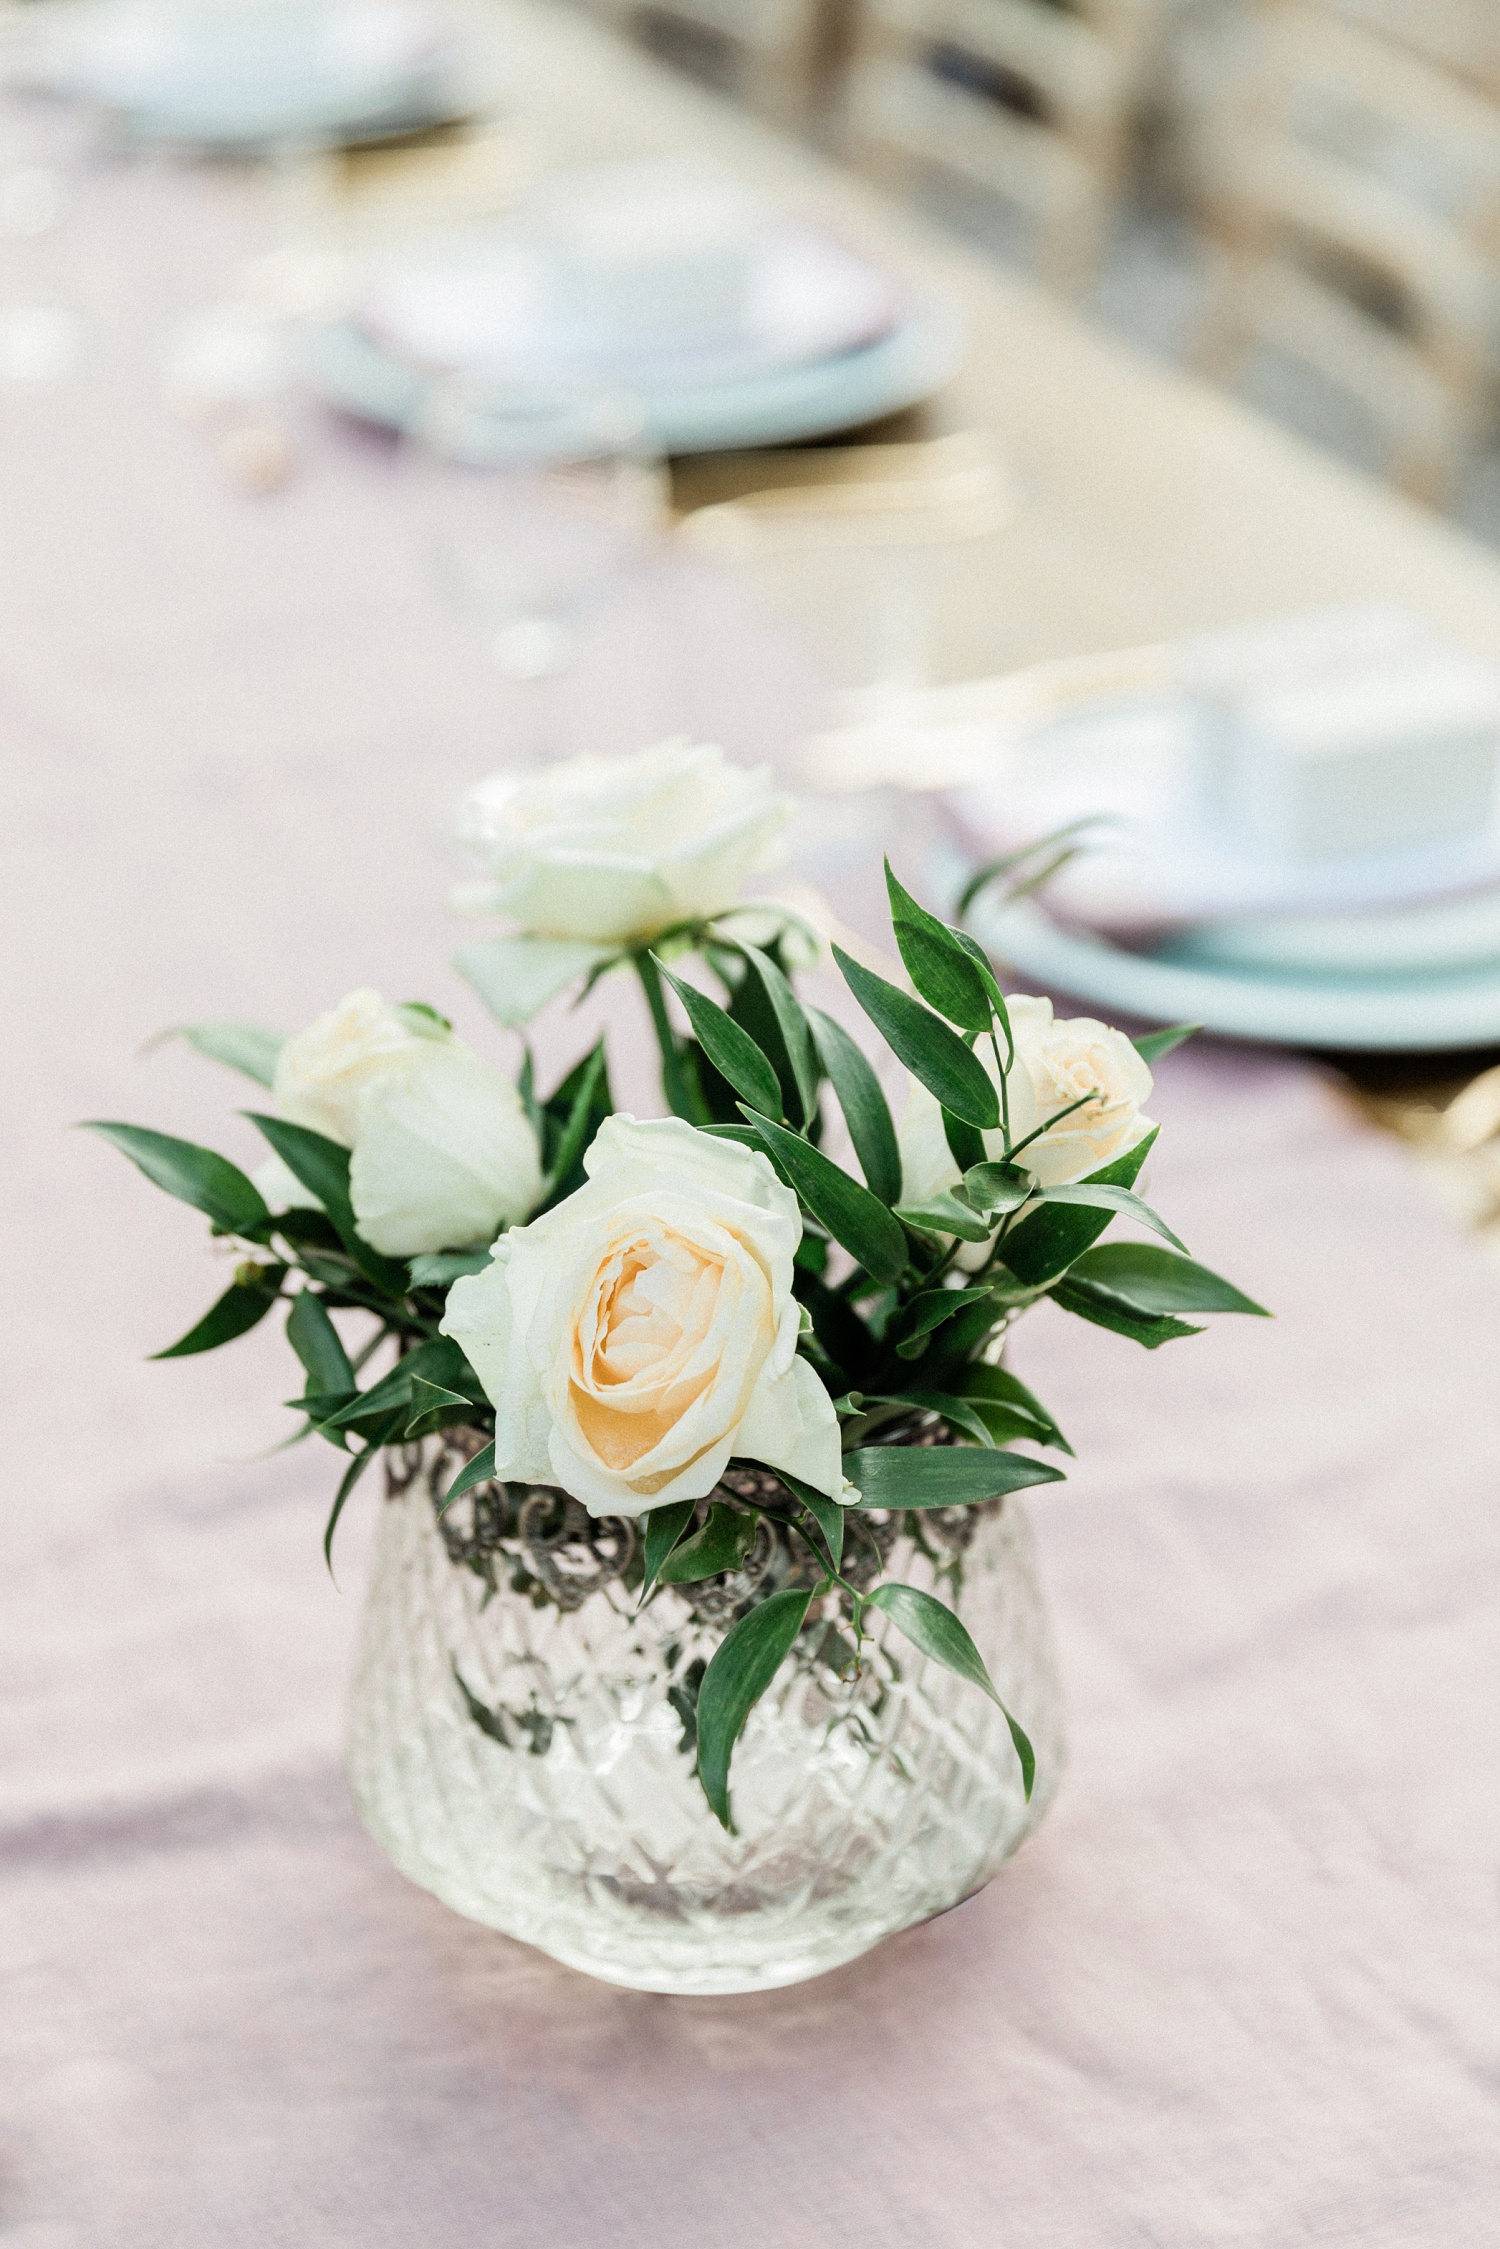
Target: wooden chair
column 778, row 55
column 1353, row 206
column 1032, row 100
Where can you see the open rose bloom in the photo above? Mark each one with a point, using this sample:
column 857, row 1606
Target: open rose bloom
column 611, row 850
column 645, row 1330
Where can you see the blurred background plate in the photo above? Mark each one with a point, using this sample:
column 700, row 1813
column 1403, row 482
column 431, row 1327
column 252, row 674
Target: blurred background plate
column 242, row 77
column 773, row 406
column 1418, row 1012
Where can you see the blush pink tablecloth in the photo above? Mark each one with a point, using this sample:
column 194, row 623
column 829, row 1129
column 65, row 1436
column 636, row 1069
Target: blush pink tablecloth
column 1242, row 1986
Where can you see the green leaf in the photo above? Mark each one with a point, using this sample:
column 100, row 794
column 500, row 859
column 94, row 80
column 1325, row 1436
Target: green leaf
column 996, row 1387
column 1153, row 1280
column 923, row 1041
column 1107, row 1311
column 998, row 1187
column 241, row 1046
column 577, row 1131
column 664, row 1527
column 721, row 1543
column 827, row 1513
column 837, row 1327
column 436, row 1268
column 954, row 1410
column 983, row 964
column 928, row 1311
column 1155, row 1044
column 380, row 1437
column 323, row 1165
column 438, row 1361
column 194, row 1175
column 480, row 1470
column 793, row 1025
column 239, row 1309
column 559, row 1103
column 745, row 1662
column 866, row 1112
column 1046, row 1243
column 423, row 1020
column 732, row 1051
column 937, row 962
column 1044, row 858
column 851, row 1213
column 516, row 976
column 431, row 1405
column 945, row 1214
column 903, row 1476
column 318, row 1405
column 317, row 1343
column 965, row 1145
column 1092, row 1195
column 954, row 1347
column 931, row 1626
column 746, row 1135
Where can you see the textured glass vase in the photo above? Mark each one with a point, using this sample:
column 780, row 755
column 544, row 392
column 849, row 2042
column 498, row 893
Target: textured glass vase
column 522, row 1735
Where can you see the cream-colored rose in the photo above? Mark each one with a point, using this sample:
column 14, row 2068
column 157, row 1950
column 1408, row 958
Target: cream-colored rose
column 611, row 850
column 443, row 1152
column 321, row 1073
column 644, row 1331
column 1057, row 1061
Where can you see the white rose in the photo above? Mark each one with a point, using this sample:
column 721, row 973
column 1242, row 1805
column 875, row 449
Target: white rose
column 443, row 1152
column 611, row 850
column 321, row 1073
column 643, row 1331
column 1057, row 1061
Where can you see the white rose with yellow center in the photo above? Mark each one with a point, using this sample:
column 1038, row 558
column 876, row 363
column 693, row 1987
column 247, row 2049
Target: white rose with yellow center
column 442, row 1151
column 1059, row 1062
column 612, row 850
column 644, row 1331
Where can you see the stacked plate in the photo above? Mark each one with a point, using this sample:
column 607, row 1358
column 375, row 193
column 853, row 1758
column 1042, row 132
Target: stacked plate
column 1290, row 833
column 245, row 74
column 732, row 323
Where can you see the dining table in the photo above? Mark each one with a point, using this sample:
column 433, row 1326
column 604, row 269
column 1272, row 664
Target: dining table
column 1243, row 1985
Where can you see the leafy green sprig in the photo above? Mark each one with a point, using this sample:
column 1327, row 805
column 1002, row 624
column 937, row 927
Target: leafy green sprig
column 904, row 1340
column 312, row 1259
column 902, row 1333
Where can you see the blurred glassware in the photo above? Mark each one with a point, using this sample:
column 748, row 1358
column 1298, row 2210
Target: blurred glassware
column 533, row 502
column 854, row 544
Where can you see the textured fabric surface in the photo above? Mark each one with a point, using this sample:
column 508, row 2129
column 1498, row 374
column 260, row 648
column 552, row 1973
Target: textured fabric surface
column 1242, row 1986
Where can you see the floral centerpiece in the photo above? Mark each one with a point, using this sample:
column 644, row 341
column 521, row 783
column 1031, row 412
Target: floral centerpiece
column 675, row 1410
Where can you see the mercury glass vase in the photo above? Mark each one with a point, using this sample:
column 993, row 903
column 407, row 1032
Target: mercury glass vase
column 522, row 1734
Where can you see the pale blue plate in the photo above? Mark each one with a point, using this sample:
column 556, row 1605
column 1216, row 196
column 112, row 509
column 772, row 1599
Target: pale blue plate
column 773, row 406
column 1404, row 1013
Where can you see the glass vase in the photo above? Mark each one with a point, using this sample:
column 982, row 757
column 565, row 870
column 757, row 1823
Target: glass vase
column 522, row 1733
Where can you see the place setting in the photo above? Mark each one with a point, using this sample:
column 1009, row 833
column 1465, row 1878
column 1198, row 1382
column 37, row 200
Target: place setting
column 1284, row 832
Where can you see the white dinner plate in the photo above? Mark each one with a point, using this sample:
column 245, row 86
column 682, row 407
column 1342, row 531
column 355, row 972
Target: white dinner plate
column 1421, row 1012
column 491, row 303
column 687, row 413
column 237, row 76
